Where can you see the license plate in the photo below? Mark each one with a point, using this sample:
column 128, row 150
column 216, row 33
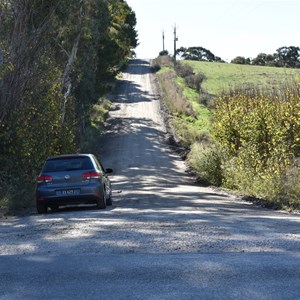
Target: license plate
column 68, row 192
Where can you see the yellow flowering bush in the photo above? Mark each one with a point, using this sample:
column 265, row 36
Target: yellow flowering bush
column 259, row 133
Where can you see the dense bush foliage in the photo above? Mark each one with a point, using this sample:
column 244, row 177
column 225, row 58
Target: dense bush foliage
column 55, row 58
column 192, row 79
column 205, row 159
column 260, row 138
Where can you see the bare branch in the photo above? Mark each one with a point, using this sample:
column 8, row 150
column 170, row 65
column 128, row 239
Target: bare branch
column 66, row 81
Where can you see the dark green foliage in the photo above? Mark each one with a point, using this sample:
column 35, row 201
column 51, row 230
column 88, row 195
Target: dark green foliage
column 117, row 41
column 164, row 52
column 192, row 79
column 51, row 54
column 287, row 57
column 198, row 54
column 240, row 60
column 263, row 59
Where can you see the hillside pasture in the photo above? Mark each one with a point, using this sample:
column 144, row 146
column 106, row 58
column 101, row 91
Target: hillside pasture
column 223, row 76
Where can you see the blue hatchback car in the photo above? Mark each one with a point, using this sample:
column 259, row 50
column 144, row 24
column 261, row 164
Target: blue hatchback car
column 72, row 179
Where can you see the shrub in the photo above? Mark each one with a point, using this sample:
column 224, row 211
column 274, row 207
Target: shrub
column 184, row 70
column 164, row 52
column 290, row 197
column 260, row 133
column 206, row 99
column 97, row 117
column 163, row 61
column 195, row 81
column 205, row 160
column 192, row 80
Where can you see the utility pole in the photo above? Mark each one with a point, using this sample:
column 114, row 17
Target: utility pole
column 163, row 38
column 175, row 40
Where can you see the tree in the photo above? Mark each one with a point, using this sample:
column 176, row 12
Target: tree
column 264, row 59
column 260, row 60
column 198, row 54
column 163, row 52
column 241, row 60
column 117, row 41
column 50, row 61
column 288, row 56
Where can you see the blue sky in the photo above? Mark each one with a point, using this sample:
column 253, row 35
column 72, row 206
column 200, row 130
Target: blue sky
column 228, row 28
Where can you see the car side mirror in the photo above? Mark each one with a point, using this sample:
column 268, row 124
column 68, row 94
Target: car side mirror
column 108, row 171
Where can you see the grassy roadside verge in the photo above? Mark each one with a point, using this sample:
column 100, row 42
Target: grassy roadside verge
column 189, row 118
column 246, row 139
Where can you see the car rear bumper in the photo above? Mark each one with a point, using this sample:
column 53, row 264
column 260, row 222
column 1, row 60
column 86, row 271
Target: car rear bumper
column 87, row 194
column 69, row 200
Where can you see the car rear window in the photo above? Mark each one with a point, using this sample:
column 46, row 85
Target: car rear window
column 68, row 164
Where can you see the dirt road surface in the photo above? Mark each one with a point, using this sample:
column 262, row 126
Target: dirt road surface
column 158, row 215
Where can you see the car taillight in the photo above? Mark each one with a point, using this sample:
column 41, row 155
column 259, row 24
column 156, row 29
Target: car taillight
column 90, row 175
column 44, row 178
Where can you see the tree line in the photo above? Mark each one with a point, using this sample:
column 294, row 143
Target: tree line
column 287, row 57
column 56, row 58
column 197, row 54
column 284, row 57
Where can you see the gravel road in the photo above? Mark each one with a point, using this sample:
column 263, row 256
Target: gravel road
column 157, row 208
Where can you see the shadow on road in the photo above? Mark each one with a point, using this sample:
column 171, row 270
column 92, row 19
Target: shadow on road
column 156, row 206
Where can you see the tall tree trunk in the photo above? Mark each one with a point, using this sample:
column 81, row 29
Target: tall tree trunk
column 66, row 80
column 22, row 48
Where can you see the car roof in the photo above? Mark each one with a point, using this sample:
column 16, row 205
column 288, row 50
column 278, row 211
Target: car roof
column 70, row 156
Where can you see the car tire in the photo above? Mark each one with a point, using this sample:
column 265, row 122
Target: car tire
column 54, row 208
column 109, row 196
column 101, row 201
column 41, row 208
column 109, row 200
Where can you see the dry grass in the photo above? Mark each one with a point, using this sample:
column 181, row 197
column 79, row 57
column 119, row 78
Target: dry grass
column 172, row 93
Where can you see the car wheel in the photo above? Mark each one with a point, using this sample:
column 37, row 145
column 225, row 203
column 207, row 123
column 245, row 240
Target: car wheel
column 109, row 200
column 41, row 208
column 54, row 208
column 101, row 201
column 108, row 195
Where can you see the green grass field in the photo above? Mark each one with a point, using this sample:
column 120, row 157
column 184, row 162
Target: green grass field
column 202, row 112
column 222, row 76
